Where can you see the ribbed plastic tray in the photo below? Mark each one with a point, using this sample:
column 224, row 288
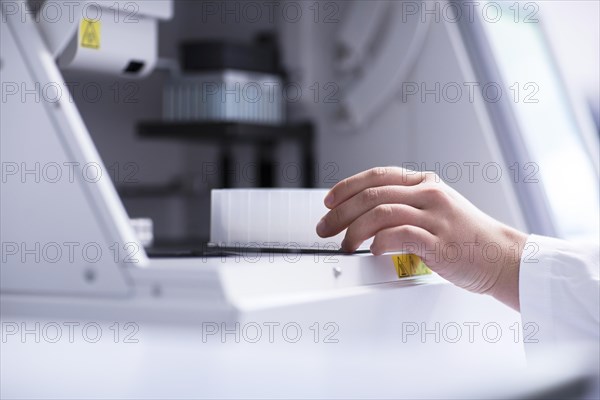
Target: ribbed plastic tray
column 269, row 218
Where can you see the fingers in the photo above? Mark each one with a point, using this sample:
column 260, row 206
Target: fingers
column 406, row 238
column 375, row 177
column 347, row 212
column 383, row 217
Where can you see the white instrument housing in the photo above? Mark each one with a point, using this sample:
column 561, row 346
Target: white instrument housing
column 110, row 37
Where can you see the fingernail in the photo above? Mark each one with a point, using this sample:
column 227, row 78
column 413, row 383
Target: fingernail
column 374, row 250
column 344, row 246
column 321, row 226
column 329, row 199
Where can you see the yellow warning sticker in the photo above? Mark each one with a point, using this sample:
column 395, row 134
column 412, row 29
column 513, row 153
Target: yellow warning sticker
column 90, row 33
column 409, row 265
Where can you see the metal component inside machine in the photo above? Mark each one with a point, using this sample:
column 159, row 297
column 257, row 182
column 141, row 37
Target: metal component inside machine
column 227, row 82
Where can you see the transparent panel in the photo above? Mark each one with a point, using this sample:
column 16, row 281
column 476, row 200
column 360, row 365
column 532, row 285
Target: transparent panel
column 558, row 155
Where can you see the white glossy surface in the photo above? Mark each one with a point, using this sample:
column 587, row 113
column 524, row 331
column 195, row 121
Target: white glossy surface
column 368, row 355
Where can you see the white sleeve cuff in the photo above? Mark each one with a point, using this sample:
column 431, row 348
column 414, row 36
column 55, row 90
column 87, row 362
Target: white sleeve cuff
column 559, row 291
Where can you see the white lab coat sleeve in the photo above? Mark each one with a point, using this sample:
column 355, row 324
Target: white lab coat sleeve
column 559, row 291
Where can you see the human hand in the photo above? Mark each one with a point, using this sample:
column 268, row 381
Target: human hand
column 415, row 212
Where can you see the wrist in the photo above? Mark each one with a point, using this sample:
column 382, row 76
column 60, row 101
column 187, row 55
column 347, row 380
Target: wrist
column 506, row 286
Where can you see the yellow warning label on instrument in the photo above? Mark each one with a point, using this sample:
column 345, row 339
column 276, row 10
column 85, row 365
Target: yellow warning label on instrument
column 409, row 265
column 90, row 33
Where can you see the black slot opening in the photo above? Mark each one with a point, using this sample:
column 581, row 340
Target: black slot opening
column 134, row 67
